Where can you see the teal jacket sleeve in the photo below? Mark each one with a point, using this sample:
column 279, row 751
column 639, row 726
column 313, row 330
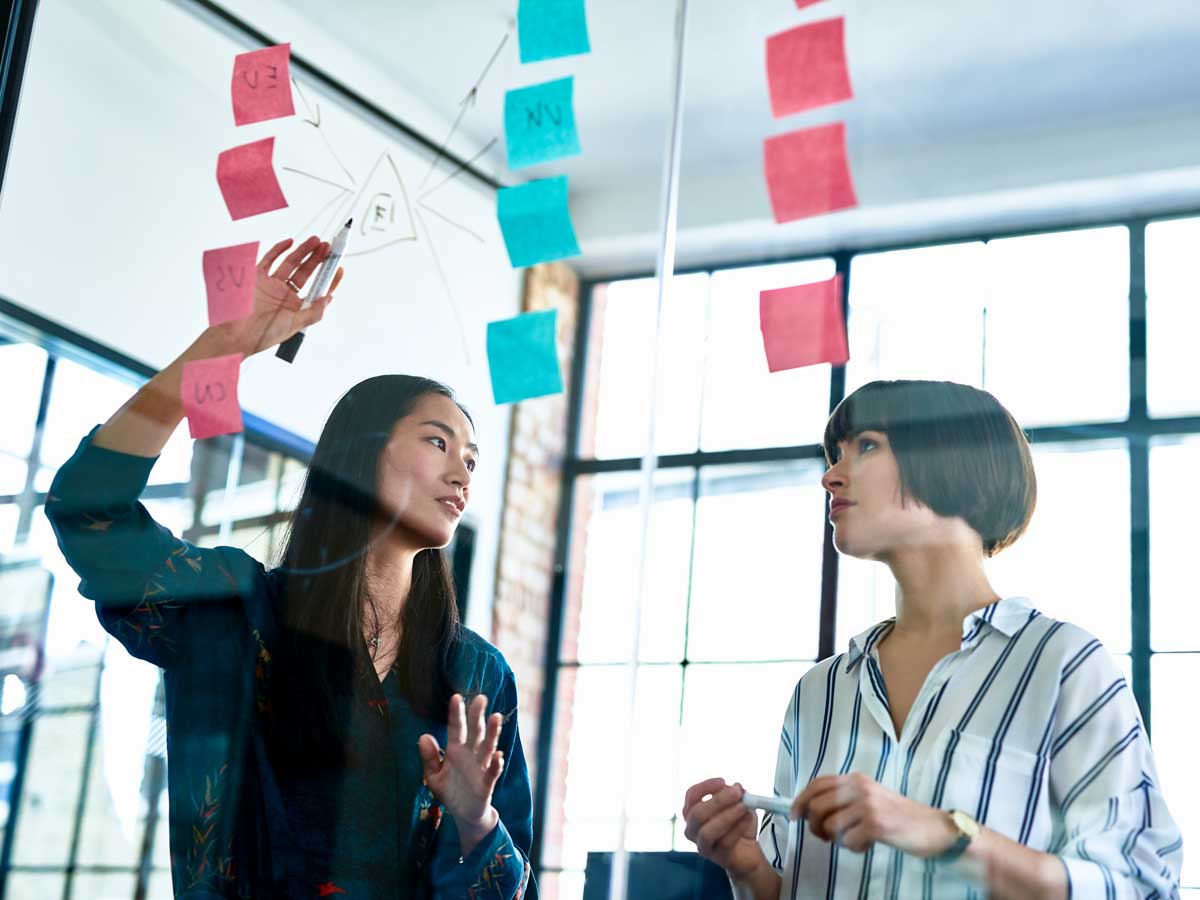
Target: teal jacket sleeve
column 144, row 580
column 497, row 868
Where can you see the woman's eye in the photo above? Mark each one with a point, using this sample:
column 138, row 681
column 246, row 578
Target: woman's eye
column 470, row 465
column 438, row 442
column 866, row 443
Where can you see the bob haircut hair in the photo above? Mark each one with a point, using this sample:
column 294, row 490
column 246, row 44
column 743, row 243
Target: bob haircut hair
column 959, row 451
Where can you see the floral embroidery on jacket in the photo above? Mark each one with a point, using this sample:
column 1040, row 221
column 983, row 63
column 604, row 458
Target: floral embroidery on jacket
column 206, row 865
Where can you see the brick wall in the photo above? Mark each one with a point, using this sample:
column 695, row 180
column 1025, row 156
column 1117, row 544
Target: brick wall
column 533, row 487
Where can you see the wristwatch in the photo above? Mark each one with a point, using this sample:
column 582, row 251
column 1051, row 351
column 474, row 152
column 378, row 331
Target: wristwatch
column 967, row 829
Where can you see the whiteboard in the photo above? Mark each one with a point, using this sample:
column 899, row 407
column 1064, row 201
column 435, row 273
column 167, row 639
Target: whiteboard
column 111, row 198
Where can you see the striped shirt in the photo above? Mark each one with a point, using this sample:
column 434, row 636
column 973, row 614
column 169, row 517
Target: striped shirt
column 1030, row 728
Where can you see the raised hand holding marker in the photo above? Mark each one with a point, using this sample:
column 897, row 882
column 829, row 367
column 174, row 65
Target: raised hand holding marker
column 288, row 349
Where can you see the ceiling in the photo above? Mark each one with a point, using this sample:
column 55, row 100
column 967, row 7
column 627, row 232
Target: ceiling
column 968, row 115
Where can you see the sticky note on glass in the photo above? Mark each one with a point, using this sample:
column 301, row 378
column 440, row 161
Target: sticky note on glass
column 807, row 172
column 523, row 357
column 209, row 394
column 539, row 123
column 247, row 179
column 806, row 67
column 803, row 325
column 800, row 4
column 548, row 29
column 262, row 85
column 229, row 274
column 535, row 222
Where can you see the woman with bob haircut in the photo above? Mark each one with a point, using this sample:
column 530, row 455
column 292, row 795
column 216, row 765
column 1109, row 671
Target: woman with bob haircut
column 970, row 746
column 332, row 729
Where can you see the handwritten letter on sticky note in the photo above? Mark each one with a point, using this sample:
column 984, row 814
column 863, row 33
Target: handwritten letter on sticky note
column 229, row 281
column 523, row 357
column 806, row 67
column 247, row 179
column 535, row 222
column 803, row 325
column 209, row 394
column 539, row 123
column 548, row 29
column 807, row 172
column 262, row 86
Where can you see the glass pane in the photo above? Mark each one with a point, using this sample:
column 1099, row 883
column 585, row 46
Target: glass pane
column 160, row 885
column 107, row 886
column 1172, row 317
column 34, row 885
column 604, row 555
column 917, row 314
column 742, row 742
column 174, row 464
column 51, row 792
column 564, row 885
column 80, row 399
column 1073, row 562
column 13, row 472
column 744, row 404
column 22, row 370
column 1045, row 292
column 1174, row 499
column 590, row 734
column 617, row 401
column 1173, row 680
column 756, row 576
column 10, row 515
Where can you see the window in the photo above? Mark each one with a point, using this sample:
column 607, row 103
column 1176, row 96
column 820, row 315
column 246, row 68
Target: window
column 90, row 691
column 736, row 562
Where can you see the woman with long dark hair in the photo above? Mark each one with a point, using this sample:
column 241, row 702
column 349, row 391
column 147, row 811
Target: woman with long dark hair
column 969, row 746
column 332, row 728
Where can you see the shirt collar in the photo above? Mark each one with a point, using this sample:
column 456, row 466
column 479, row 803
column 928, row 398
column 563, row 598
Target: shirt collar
column 1006, row 616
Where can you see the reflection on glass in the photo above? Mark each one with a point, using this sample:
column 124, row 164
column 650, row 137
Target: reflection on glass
column 1073, row 562
column 1172, row 317
column 1173, row 680
column 1174, row 501
column 917, row 314
column 80, row 399
column 605, row 544
column 22, row 368
column 744, row 404
column 1045, row 293
column 623, row 315
column 756, row 578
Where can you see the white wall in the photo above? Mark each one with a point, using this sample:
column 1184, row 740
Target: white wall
column 111, row 197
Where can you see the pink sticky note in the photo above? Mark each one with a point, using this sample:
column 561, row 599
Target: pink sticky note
column 807, row 172
column 247, row 179
column 800, row 4
column 209, row 394
column 803, row 325
column 806, row 67
column 262, row 86
column 229, row 280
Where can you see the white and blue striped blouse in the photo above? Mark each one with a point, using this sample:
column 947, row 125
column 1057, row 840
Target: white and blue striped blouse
column 1030, row 728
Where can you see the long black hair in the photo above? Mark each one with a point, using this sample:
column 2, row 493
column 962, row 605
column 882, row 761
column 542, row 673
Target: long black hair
column 321, row 662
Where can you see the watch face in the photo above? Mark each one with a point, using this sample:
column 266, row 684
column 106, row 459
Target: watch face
column 964, row 823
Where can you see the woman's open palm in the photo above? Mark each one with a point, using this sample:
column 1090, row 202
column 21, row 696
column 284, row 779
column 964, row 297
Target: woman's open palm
column 277, row 315
column 465, row 774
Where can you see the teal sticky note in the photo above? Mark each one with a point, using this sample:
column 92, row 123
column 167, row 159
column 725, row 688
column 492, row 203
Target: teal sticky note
column 548, row 29
column 535, row 222
column 523, row 357
column 539, row 123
